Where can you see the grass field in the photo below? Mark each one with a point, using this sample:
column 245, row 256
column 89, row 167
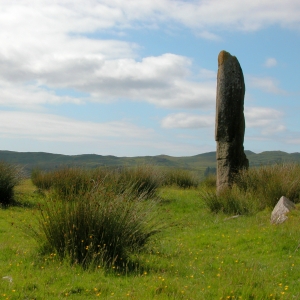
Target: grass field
column 199, row 256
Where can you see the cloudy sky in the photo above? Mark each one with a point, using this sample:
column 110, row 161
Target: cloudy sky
column 138, row 77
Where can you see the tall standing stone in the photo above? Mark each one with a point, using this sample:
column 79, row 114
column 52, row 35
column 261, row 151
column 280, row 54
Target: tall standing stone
column 230, row 120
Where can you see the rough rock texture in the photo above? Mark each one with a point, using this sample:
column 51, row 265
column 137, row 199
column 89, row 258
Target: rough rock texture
column 230, row 120
column 283, row 206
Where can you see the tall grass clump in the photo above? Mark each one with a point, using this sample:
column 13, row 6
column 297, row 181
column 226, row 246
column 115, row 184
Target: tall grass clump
column 181, row 178
column 10, row 176
column 41, row 179
column 256, row 189
column 141, row 181
column 269, row 183
column 138, row 181
column 96, row 228
column 230, row 201
column 64, row 181
column 209, row 182
column 69, row 181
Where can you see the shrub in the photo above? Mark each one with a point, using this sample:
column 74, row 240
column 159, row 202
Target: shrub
column 209, row 182
column 10, row 176
column 69, row 181
column 181, row 178
column 97, row 227
column 271, row 182
column 230, row 201
column 141, row 181
column 41, row 179
column 256, row 189
column 64, row 181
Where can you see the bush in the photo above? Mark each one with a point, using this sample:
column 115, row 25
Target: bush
column 230, row 201
column 64, row 181
column 41, row 179
column 96, row 228
column 69, row 181
column 269, row 183
column 209, row 182
column 256, row 189
column 10, row 176
column 181, row 178
column 141, row 181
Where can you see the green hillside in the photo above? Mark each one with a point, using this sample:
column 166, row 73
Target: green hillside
column 198, row 163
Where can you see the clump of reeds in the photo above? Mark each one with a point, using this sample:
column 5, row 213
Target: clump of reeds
column 97, row 227
column 97, row 217
column 64, row 181
column 256, row 189
column 10, row 176
column 269, row 183
column 180, row 177
column 138, row 181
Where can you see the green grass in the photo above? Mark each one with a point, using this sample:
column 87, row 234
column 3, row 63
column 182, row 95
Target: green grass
column 201, row 255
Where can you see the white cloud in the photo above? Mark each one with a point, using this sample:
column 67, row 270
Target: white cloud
column 56, row 134
column 294, row 140
column 46, row 42
column 266, row 84
column 43, row 44
column 208, row 74
column 184, row 120
column 267, row 120
column 293, row 137
column 57, row 17
column 162, row 80
column 214, row 14
column 270, row 62
column 40, row 34
column 48, row 127
column 30, row 96
column 209, row 36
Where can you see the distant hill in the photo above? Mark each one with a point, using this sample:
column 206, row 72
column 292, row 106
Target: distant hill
column 198, row 163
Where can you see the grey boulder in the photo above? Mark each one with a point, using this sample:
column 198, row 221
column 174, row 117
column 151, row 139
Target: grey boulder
column 283, row 206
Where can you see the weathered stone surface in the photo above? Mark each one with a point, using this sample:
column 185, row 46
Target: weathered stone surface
column 230, row 120
column 283, row 206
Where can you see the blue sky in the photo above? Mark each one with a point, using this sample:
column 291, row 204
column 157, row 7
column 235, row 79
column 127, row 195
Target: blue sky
column 138, row 77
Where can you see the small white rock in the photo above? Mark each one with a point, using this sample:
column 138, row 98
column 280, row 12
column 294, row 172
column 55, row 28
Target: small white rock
column 283, row 206
column 8, row 278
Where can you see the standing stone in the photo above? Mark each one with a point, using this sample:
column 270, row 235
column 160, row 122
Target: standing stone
column 230, row 120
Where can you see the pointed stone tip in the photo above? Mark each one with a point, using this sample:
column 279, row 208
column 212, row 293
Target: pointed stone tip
column 223, row 56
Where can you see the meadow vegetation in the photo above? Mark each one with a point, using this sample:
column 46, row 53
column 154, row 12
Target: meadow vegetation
column 10, row 176
column 141, row 233
column 255, row 189
column 180, row 178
